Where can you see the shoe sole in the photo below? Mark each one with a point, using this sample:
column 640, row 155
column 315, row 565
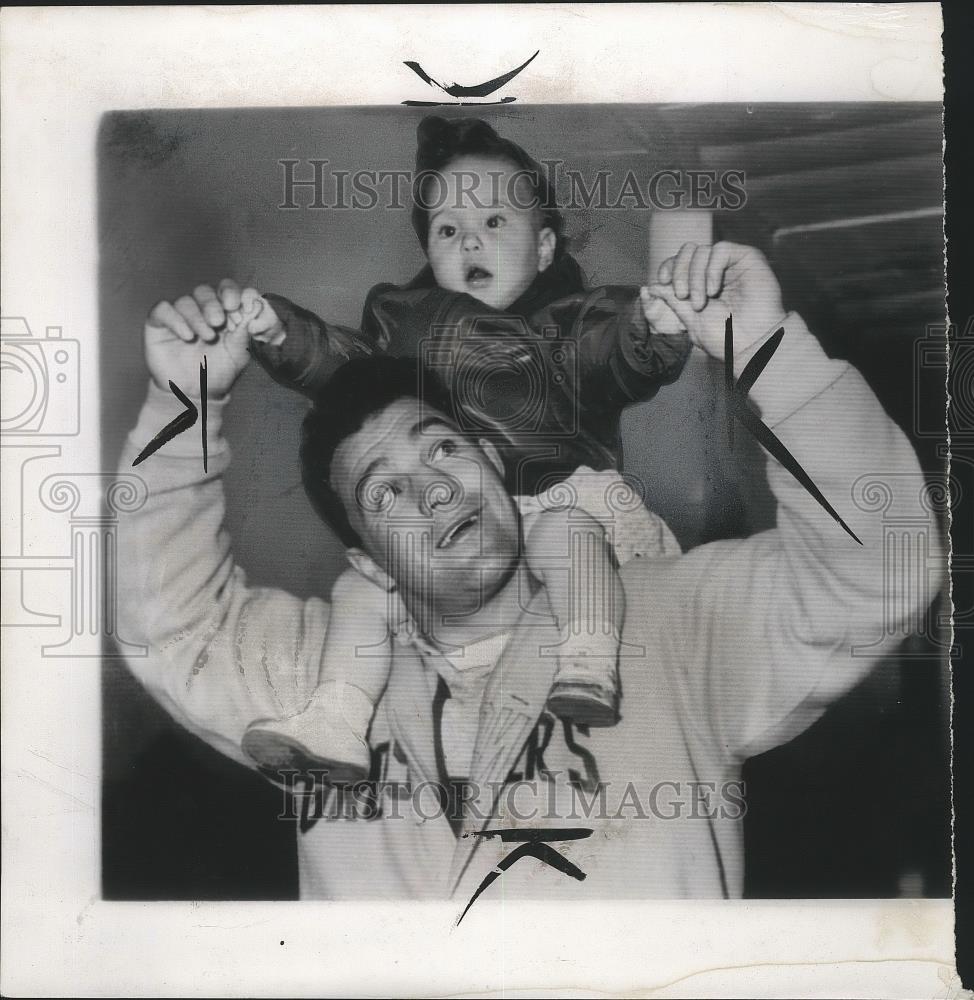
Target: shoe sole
column 583, row 704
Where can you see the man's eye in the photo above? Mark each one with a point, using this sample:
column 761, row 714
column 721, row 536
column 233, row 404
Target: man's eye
column 495, row 221
column 446, row 231
column 377, row 495
column 442, row 449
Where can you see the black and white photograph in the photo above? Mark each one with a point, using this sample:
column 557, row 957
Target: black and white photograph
column 496, row 501
column 586, row 596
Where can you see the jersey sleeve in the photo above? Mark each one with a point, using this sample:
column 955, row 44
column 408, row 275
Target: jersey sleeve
column 763, row 633
column 220, row 653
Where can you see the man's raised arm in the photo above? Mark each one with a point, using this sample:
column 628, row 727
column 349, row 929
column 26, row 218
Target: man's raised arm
column 220, row 653
column 764, row 628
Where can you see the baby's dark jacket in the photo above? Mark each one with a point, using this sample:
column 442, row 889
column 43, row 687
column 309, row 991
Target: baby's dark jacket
column 546, row 379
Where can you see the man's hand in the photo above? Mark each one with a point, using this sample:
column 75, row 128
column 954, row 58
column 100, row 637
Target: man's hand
column 704, row 284
column 217, row 323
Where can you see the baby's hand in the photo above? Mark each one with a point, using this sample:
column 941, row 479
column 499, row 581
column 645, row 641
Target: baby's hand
column 705, row 285
column 258, row 318
column 659, row 315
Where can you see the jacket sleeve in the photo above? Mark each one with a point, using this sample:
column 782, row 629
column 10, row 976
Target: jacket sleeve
column 220, row 653
column 762, row 634
column 619, row 359
column 394, row 320
column 312, row 348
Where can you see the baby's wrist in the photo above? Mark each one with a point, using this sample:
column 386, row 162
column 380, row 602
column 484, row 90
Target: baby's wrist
column 274, row 336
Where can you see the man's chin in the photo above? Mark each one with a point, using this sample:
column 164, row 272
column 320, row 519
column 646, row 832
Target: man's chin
column 486, row 575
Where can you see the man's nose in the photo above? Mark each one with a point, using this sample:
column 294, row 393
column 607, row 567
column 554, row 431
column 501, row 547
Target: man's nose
column 470, row 241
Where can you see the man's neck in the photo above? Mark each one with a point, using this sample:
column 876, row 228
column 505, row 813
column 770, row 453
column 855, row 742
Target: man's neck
column 455, row 626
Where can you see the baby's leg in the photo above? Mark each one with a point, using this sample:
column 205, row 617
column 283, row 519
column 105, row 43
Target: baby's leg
column 328, row 738
column 569, row 552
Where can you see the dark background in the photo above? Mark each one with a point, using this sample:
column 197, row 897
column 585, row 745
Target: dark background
column 843, row 198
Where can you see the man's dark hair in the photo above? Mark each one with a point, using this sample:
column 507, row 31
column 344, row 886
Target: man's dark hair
column 360, row 389
column 439, row 141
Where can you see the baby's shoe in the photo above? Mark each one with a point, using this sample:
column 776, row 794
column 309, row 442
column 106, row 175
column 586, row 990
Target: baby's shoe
column 326, row 740
column 585, row 689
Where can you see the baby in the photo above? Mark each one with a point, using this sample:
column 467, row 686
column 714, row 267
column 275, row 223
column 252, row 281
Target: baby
column 492, row 234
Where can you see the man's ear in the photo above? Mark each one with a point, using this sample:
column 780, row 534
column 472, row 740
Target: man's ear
column 493, row 455
column 370, row 569
column 547, row 241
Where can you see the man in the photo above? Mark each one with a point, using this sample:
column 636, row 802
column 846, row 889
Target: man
column 729, row 650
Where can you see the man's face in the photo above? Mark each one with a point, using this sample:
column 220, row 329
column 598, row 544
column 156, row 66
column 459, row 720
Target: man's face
column 429, row 505
column 484, row 239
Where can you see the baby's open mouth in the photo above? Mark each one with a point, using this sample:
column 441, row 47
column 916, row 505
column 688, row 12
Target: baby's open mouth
column 477, row 276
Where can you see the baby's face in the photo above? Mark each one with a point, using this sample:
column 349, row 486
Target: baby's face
column 485, row 234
